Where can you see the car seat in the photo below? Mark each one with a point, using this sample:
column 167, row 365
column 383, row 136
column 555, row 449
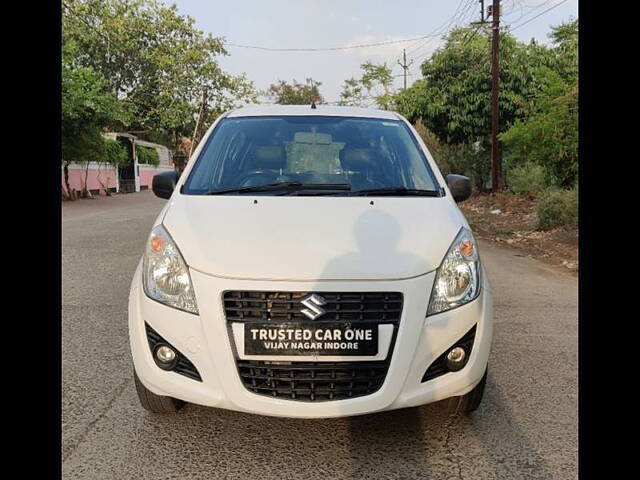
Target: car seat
column 265, row 165
column 363, row 167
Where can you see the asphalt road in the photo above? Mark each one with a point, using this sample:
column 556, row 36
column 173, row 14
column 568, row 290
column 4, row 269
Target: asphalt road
column 525, row 428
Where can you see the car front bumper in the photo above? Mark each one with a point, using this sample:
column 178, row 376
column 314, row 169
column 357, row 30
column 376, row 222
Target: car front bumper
column 205, row 340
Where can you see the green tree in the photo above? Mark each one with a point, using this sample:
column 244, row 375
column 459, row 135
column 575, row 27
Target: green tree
column 548, row 135
column 295, row 93
column 353, row 93
column 148, row 156
column 454, row 96
column 154, row 60
column 548, row 138
column 565, row 41
column 87, row 107
column 373, row 87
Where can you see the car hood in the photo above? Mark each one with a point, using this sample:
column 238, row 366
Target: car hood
column 312, row 238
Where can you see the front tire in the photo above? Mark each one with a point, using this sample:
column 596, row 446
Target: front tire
column 468, row 403
column 155, row 403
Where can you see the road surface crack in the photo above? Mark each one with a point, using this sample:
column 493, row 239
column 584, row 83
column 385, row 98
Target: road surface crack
column 119, row 391
column 452, row 456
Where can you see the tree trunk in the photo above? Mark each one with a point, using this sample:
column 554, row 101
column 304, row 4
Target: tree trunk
column 85, row 191
column 70, row 193
column 106, row 189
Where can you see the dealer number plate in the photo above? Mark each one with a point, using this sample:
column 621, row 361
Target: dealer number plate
column 320, row 339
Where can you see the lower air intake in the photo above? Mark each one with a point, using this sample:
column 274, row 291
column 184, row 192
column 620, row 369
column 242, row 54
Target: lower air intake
column 313, row 381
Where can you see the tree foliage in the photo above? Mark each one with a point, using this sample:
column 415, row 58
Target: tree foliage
column 548, row 136
column 285, row 93
column 115, row 153
column 454, row 96
column 373, row 87
column 153, row 60
column 87, row 107
column 537, row 96
column 147, row 155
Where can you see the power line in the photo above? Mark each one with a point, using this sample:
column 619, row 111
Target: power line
column 327, row 49
column 432, row 35
column 443, row 26
column 462, row 16
column 529, row 11
column 257, row 47
column 515, row 4
column 427, row 37
column 541, row 13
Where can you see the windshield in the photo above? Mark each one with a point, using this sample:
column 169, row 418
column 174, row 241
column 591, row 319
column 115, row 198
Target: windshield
column 350, row 154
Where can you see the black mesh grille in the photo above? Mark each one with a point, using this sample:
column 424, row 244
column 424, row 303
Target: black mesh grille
column 242, row 306
column 314, row 381
column 439, row 365
column 183, row 365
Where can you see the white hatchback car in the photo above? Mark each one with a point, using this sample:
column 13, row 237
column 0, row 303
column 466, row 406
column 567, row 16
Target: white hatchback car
column 310, row 262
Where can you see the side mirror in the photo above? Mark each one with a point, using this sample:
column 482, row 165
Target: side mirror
column 164, row 183
column 459, row 185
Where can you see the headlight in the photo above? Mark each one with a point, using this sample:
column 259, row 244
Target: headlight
column 165, row 275
column 457, row 279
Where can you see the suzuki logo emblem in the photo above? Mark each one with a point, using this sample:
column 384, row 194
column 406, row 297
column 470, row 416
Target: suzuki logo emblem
column 314, row 304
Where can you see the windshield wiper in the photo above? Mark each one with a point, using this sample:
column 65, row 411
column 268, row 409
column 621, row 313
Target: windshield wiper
column 286, row 186
column 400, row 191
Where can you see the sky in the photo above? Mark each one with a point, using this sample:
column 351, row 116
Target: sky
column 337, row 23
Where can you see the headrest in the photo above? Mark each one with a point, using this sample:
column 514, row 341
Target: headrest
column 357, row 159
column 313, row 138
column 271, row 157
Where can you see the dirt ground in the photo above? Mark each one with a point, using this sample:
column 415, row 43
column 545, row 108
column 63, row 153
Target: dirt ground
column 512, row 220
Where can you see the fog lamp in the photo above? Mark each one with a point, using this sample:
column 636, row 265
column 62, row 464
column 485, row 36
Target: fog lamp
column 456, row 358
column 165, row 355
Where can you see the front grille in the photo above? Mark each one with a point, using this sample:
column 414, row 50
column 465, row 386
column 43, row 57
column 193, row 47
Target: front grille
column 314, row 381
column 439, row 365
column 183, row 365
column 243, row 306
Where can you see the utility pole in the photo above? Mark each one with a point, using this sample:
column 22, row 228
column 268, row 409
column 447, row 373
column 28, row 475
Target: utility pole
column 404, row 66
column 496, row 165
column 200, row 115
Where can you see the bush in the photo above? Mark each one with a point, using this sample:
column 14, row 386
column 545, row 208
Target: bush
column 464, row 159
column 557, row 208
column 548, row 137
column 528, row 179
column 115, row 153
column 148, row 156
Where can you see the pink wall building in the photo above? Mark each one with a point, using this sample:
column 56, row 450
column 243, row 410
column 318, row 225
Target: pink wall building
column 134, row 177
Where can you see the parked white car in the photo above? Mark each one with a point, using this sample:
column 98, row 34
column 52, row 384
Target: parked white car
column 310, row 262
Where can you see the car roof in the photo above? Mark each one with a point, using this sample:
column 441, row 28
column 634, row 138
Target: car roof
column 306, row 110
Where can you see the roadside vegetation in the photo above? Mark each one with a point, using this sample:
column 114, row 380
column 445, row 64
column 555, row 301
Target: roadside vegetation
column 450, row 107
